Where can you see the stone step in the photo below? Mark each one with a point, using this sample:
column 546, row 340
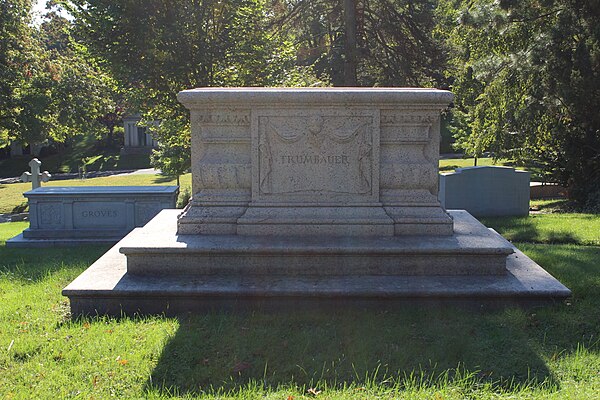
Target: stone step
column 158, row 250
column 108, row 288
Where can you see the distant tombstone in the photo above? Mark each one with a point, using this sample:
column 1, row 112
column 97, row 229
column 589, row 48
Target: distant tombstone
column 137, row 139
column 486, row 191
column 35, row 177
column 90, row 214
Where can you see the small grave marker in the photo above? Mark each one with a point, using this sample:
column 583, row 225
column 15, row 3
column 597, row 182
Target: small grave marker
column 35, row 177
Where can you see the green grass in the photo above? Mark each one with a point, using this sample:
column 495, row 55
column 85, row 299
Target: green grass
column 412, row 352
column 576, row 228
column 11, row 195
column 451, row 164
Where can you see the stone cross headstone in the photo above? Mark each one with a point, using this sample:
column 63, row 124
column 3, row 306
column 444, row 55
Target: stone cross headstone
column 35, row 177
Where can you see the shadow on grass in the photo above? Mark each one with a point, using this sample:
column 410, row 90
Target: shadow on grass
column 449, row 167
column 507, row 348
column 162, row 179
column 515, row 229
column 33, row 265
column 547, row 228
column 577, row 267
column 224, row 353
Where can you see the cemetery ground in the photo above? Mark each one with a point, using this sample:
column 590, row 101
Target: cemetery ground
column 415, row 352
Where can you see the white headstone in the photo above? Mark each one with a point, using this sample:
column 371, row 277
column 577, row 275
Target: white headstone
column 35, row 177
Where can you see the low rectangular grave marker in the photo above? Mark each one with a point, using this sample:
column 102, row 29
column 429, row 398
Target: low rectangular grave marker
column 90, row 214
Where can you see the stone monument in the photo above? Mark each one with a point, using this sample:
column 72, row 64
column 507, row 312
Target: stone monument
column 312, row 195
column 35, row 176
column 76, row 215
column 486, row 191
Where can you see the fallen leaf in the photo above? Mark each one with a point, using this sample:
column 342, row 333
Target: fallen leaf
column 290, row 398
column 86, row 325
column 123, row 362
column 239, row 367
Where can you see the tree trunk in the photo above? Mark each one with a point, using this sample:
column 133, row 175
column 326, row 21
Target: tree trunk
column 109, row 139
column 350, row 48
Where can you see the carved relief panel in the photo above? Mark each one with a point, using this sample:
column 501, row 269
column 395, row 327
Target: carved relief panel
column 315, row 156
column 50, row 215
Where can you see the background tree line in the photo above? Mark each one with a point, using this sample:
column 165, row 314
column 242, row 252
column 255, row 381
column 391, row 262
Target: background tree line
column 525, row 73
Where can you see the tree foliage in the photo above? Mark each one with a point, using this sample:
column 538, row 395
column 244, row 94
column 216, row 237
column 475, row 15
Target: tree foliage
column 55, row 89
column 525, row 73
column 528, row 84
column 14, row 44
column 395, row 42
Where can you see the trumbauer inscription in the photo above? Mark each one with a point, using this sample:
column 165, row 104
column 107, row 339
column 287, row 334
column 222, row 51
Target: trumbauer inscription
column 316, row 155
column 314, row 159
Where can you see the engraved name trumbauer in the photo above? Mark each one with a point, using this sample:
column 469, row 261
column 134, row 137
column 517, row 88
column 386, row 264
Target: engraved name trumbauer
column 314, row 159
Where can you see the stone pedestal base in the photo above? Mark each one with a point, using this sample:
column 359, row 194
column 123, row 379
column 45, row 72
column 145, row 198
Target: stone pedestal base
column 294, row 220
column 309, row 221
column 155, row 270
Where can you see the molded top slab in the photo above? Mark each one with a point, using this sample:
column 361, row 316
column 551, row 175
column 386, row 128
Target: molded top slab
column 314, row 96
column 100, row 190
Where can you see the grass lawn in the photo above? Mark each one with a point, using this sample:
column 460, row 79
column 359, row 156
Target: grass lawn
column 11, row 195
column 428, row 353
column 576, row 228
column 448, row 165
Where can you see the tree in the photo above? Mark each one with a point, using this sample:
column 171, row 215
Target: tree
column 530, row 85
column 367, row 42
column 58, row 89
column 173, row 156
column 110, row 120
column 14, row 48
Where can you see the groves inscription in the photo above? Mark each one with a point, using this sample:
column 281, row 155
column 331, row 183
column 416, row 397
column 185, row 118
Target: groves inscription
column 100, row 214
column 315, row 155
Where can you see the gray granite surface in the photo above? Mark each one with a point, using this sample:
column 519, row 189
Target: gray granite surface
column 106, row 287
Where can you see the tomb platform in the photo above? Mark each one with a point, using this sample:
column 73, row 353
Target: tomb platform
column 192, row 273
column 317, row 197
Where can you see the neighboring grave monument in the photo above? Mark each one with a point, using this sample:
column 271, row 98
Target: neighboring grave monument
column 75, row 215
column 486, row 191
column 310, row 195
column 35, row 176
column 137, row 139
